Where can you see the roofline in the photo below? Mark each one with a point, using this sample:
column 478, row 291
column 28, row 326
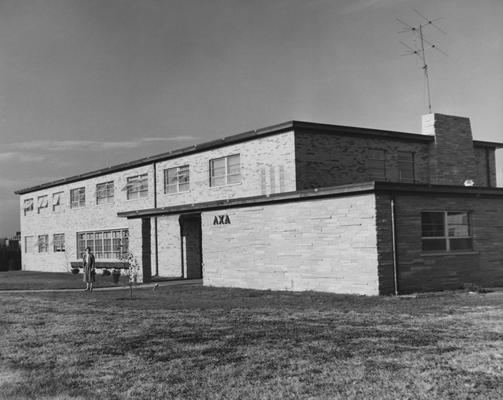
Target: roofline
column 311, row 194
column 484, row 143
column 242, row 137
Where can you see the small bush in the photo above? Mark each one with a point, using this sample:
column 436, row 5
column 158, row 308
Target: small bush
column 106, row 272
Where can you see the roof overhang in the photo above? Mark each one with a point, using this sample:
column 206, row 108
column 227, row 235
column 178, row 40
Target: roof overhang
column 312, row 194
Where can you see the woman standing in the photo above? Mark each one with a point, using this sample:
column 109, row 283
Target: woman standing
column 89, row 272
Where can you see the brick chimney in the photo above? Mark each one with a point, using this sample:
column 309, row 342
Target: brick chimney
column 452, row 158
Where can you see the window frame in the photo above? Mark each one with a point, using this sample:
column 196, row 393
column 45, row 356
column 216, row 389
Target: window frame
column 56, row 204
column 29, row 247
column 41, row 200
column 375, row 164
column 58, row 241
column 43, row 243
column 226, row 175
column 106, row 239
column 407, row 163
column 108, row 198
column 135, row 188
column 179, row 173
column 80, row 202
column 445, row 236
column 30, row 208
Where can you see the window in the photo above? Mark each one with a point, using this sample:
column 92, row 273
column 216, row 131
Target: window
column 56, row 201
column 137, row 186
column 59, row 242
column 29, row 244
column 43, row 202
column 446, row 231
column 406, row 166
column 43, row 243
column 176, row 179
column 377, row 164
column 225, row 170
column 104, row 193
column 104, row 244
column 78, row 197
column 28, row 206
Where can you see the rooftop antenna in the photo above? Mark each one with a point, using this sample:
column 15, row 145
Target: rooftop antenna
column 420, row 50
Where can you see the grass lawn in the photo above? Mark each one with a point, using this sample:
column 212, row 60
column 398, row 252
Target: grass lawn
column 52, row 280
column 208, row 343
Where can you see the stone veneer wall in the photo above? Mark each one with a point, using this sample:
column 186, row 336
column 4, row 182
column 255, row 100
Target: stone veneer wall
column 329, row 159
column 321, row 244
column 422, row 271
column 72, row 220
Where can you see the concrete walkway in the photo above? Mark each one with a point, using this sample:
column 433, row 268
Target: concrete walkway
column 152, row 285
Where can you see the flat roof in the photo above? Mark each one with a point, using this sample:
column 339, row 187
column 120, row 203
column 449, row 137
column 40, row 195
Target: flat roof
column 310, row 127
column 311, row 194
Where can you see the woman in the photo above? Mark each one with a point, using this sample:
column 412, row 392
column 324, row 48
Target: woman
column 89, row 271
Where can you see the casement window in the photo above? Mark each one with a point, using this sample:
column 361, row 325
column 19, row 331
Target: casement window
column 104, row 244
column 59, row 242
column 78, row 197
column 28, row 206
column 43, row 202
column 56, row 201
column 105, row 193
column 225, row 170
column 137, row 186
column 406, row 166
column 376, row 164
column 29, row 244
column 446, row 231
column 177, row 179
column 43, row 243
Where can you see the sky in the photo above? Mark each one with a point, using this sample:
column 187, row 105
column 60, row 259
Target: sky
column 85, row 84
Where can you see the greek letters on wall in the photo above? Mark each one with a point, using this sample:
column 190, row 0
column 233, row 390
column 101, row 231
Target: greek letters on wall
column 221, row 220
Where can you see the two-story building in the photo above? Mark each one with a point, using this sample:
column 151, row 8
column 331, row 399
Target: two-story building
column 296, row 206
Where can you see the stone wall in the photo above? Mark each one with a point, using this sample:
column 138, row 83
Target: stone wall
column 324, row 245
column 69, row 221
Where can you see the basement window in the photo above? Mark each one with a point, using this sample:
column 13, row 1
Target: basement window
column 446, row 231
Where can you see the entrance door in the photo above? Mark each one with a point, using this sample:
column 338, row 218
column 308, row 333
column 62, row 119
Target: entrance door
column 192, row 255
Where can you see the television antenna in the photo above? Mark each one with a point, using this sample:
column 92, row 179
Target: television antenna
column 419, row 49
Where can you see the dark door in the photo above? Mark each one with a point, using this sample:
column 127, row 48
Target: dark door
column 192, row 257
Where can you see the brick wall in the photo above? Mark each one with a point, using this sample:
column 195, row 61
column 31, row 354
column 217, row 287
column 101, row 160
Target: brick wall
column 323, row 245
column 452, row 158
column 325, row 159
column 486, row 166
column 420, row 271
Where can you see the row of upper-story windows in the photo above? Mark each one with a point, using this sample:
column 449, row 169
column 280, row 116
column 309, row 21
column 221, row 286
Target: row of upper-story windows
column 376, row 163
column 222, row 171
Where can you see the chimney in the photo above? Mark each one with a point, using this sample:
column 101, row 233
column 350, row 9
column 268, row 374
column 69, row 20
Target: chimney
column 452, row 158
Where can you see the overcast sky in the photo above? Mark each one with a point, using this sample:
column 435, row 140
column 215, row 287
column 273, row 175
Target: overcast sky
column 86, row 84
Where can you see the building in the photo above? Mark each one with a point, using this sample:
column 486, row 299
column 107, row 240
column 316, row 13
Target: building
column 296, row 206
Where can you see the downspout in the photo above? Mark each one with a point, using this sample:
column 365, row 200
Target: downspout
column 156, row 247
column 393, row 241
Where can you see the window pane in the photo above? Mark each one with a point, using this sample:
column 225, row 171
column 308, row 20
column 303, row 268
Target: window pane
column 461, row 244
column 406, row 166
column 218, row 167
column 434, row 244
column 432, row 224
column 458, row 224
column 234, row 178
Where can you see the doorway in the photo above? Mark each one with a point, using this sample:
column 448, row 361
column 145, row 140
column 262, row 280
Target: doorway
column 191, row 243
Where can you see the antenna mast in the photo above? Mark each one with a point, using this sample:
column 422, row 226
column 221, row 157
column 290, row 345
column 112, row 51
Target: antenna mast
column 421, row 52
